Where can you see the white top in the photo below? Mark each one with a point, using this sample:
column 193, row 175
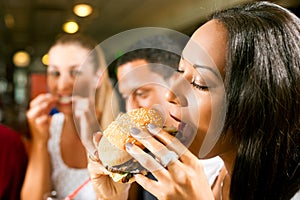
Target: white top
column 296, row 196
column 65, row 179
column 212, row 168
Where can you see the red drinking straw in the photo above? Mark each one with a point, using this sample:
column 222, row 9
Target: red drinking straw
column 75, row 192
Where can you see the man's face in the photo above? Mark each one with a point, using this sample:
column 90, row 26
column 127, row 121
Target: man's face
column 142, row 88
column 139, row 86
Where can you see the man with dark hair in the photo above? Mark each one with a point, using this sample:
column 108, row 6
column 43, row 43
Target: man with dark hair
column 143, row 74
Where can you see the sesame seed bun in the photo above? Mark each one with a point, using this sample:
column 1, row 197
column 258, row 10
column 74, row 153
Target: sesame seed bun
column 111, row 148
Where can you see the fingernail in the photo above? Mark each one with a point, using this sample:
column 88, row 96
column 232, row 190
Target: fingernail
column 97, row 133
column 128, row 145
column 93, row 156
column 135, row 131
column 153, row 129
column 94, row 134
column 151, row 126
column 96, row 137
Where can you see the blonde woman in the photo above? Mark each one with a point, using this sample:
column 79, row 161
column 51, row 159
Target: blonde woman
column 58, row 158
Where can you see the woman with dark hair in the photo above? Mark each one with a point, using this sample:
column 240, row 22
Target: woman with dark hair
column 263, row 80
column 238, row 85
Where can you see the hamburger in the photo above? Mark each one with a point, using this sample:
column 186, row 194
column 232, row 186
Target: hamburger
column 111, row 147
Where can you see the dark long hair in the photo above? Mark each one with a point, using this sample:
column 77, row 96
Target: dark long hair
column 263, row 93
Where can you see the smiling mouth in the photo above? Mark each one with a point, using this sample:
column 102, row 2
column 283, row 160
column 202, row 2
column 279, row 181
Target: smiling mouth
column 65, row 99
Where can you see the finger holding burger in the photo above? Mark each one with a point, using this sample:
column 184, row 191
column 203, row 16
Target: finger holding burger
column 170, row 164
column 103, row 185
column 111, row 164
column 111, row 147
column 137, row 143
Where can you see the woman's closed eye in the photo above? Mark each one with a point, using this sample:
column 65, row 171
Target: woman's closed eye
column 200, row 86
column 196, row 85
column 142, row 93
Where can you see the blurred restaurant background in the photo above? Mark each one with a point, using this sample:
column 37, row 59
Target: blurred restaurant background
column 28, row 27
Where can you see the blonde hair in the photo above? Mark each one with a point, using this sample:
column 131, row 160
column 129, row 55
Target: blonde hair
column 106, row 102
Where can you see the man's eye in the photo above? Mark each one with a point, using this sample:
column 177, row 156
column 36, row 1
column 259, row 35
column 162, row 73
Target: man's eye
column 54, row 73
column 179, row 71
column 199, row 87
column 74, row 73
column 141, row 93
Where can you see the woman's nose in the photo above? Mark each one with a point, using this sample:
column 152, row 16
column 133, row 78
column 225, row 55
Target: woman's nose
column 65, row 81
column 176, row 94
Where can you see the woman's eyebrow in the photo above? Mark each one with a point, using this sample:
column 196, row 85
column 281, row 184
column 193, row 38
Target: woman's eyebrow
column 217, row 74
column 75, row 67
column 208, row 68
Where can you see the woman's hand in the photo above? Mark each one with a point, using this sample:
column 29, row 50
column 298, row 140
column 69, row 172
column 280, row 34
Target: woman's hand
column 38, row 116
column 103, row 184
column 38, row 174
column 178, row 172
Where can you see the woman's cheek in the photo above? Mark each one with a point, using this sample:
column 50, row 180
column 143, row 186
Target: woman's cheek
column 198, row 109
column 201, row 117
column 51, row 85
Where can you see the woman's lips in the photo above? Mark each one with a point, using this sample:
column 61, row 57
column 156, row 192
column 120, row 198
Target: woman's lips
column 186, row 132
column 175, row 118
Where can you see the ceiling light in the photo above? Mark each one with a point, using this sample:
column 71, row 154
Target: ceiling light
column 45, row 59
column 9, row 20
column 82, row 10
column 21, row 59
column 70, row 27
